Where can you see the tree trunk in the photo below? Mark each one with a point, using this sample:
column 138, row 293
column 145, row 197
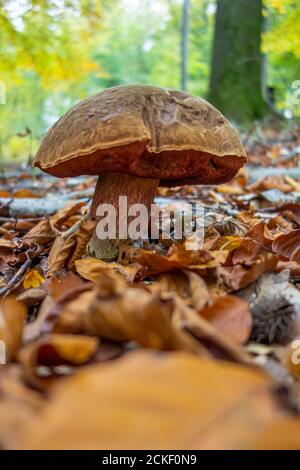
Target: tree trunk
column 184, row 44
column 237, row 63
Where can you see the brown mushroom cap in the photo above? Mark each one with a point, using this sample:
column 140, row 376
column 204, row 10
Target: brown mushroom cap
column 144, row 131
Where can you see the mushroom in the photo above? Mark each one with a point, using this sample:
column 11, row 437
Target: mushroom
column 136, row 138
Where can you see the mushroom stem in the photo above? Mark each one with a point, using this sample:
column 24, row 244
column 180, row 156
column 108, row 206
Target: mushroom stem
column 109, row 188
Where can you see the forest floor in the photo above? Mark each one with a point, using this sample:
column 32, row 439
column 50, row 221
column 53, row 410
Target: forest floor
column 81, row 334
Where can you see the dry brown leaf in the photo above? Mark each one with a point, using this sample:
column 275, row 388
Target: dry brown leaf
column 125, row 314
column 60, row 254
column 281, row 434
column 150, row 401
column 188, row 285
column 218, row 258
column 262, row 235
column 231, row 316
column 122, row 313
column 8, row 244
column 219, row 345
column 32, row 296
column 12, row 319
column 293, row 211
column 5, row 194
column 55, row 350
column 66, row 212
column 24, row 193
column 178, row 257
column 33, row 330
column 93, row 268
column 288, row 245
column 229, row 242
column 42, row 233
column 245, row 253
column 18, row 404
column 239, row 276
column 82, row 237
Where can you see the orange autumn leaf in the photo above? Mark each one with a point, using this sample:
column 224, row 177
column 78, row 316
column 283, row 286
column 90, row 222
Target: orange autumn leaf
column 12, row 319
column 24, row 193
column 228, row 243
column 166, row 401
column 231, row 316
column 32, row 279
column 288, row 245
column 92, row 268
column 4, row 194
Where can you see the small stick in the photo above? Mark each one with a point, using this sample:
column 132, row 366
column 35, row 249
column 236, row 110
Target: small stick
column 18, row 274
column 292, row 183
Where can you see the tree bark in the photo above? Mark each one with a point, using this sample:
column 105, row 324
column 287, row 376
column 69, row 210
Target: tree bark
column 237, row 63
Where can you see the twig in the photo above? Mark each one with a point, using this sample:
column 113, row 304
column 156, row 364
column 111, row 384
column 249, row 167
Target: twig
column 3, row 220
column 18, row 274
column 74, row 227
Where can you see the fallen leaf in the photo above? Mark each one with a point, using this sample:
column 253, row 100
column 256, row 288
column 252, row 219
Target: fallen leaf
column 8, row 244
column 178, row 257
column 123, row 313
column 18, row 404
column 172, row 401
column 261, row 234
column 288, row 245
column 92, row 268
column 55, row 350
column 24, row 193
column 71, row 208
column 12, row 320
column 245, row 253
column 188, row 285
column 239, row 276
column 231, row 316
column 42, row 233
column 32, row 296
column 60, row 254
column 32, row 279
column 82, row 237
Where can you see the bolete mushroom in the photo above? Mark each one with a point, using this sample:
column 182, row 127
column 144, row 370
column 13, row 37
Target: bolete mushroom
column 137, row 138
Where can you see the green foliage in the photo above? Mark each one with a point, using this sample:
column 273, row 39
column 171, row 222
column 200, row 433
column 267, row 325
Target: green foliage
column 45, row 53
column 281, row 43
column 55, row 52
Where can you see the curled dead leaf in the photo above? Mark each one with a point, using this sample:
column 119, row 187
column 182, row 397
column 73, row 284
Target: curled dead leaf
column 60, row 254
column 188, row 285
column 55, row 350
column 82, row 237
column 125, row 314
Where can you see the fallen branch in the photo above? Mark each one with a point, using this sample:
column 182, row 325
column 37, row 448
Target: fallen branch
column 10, row 207
column 14, row 280
column 257, row 173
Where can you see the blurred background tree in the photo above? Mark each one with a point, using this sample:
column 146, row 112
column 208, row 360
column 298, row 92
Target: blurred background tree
column 54, row 53
column 236, row 82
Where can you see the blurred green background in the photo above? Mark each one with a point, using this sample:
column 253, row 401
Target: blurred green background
column 243, row 55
